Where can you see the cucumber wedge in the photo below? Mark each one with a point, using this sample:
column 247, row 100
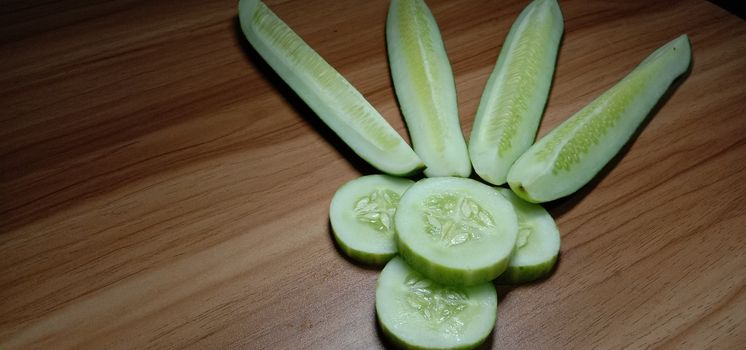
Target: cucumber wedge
column 456, row 231
column 425, row 88
column 329, row 94
column 362, row 217
column 513, row 100
column 538, row 243
column 575, row 151
column 418, row 313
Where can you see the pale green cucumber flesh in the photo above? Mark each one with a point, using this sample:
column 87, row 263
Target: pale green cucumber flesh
column 575, row 151
column 416, row 312
column 456, row 231
column 329, row 94
column 515, row 95
column 425, row 88
column 538, row 243
column 362, row 217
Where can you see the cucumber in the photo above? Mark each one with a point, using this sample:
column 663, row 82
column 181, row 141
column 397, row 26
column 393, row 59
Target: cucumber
column 362, row 217
column 425, row 88
column 328, row 94
column 538, row 243
column 456, row 231
column 513, row 100
column 575, row 151
column 418, row 313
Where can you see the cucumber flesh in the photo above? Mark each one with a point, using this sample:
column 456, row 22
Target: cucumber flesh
column 425, row 88
column 362, row 217
column 515, row 95
column 418, row 313
column 538, row 243
column 456, row 231
column 575, row 151
column 329, row 94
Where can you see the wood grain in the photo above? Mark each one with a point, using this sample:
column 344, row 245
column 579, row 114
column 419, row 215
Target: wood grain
column 161, row 188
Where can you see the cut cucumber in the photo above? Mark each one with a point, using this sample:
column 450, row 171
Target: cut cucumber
column 456, row 231
column 538, row 243
column 418, row 313
column 513, row 100
column 329, row 94
column 574, row 152
column 362, row 217
column 425, row 88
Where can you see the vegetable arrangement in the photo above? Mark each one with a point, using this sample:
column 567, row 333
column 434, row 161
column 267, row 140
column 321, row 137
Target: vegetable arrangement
column 446, row 238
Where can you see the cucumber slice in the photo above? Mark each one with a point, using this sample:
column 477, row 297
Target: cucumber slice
column 425, row 88
column 538, row 243
column 362, row 217
column 456, row 231
column 418, row 313
column 329, row 94
column 574, row 152
column 513, row 100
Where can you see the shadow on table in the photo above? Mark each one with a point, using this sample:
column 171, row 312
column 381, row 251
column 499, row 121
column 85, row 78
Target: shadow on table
column 300, row 107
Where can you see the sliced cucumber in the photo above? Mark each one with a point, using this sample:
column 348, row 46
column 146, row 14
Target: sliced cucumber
column 572, row 153
column 418, row 313
column 362, row 217
column 513, row 100
column 538, row 243
column 456, row 231
column 425, row 88
column 329, row 94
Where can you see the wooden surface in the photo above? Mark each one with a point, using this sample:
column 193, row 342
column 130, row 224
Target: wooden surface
column 162, row 189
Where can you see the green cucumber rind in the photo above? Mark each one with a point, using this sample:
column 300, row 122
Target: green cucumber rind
column 401, row 343
column 527, row 273
column 515, row 273
column 361, row 256
column 449, row 275
column 493, row 153
column 545, row 173
column 434, row 124
column 387, row 151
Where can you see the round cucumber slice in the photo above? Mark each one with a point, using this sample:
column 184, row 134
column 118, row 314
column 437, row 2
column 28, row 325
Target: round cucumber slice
column 571, row 154
column 362, row 217
column 418, row 313
column 425, row 88
column 513, row 100
column 326, row 91
column 456, row 231
column 538, row 243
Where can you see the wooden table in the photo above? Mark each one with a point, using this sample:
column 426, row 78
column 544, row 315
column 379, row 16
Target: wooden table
column 161, row 188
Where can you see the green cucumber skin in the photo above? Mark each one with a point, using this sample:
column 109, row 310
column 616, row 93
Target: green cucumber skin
column 363, row 257
column 525, row 274
column 351, row 121
column 560, row 163
column 401, row 344
column 448, row 275
column 515, row 273
column 516, row 93
column 427, row 96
